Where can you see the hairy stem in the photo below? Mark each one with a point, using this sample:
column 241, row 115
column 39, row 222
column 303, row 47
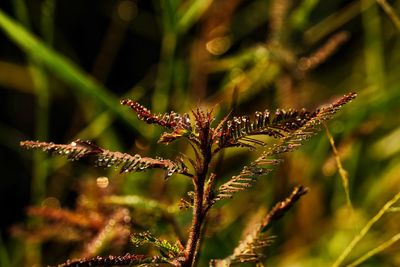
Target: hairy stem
column 199, row 211
column 195, row 230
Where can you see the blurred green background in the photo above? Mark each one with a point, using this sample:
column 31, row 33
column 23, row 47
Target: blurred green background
column 64, row 65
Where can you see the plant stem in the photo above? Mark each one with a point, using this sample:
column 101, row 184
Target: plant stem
column 199, row 212
column 195, row 229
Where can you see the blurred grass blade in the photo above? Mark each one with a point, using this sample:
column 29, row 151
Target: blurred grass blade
column 41, row 88
column 375, row 251
column 47, row 20
column 62, row 67
column 386, row 147
column 21, row 12
column 373, row 49
column 40, row 168
column 394, row 209
column 164, row 78
column 365, row 230
column 194, row 10
column 301, row 14
column 142, row 203
column 333, row 22
column 342, row 172
column 390, row 12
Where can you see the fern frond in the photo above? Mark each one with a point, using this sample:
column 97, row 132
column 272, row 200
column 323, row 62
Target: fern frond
column 282, row 207
column 74, row 151
column 250, row 246
column 281, row 124
column 248, row 250
column 290, row 142
column 127, row 259
column 203, row 129
column 115, row 232
column 276, row 125
column 168, row 120
column 186, row 203
column 167, row 249
column 296, row 138
column 244, row 180
column 217, row 131
column 180, row 124
column 167, row 138
column 105, row 158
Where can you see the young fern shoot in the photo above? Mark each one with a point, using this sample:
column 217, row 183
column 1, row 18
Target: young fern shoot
column 250, row 246
column 290, row 127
